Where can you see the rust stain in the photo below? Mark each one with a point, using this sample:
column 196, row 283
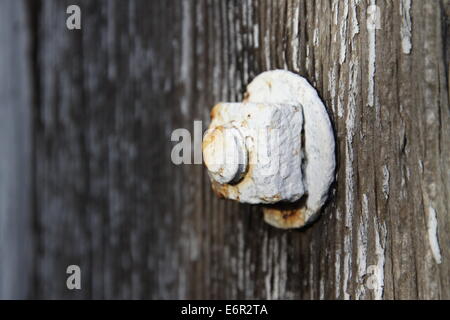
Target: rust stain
column 286, row 215
column 246, row 96
column 209, row 138
column 219, row 190
column 215, row 110
column 285, row 219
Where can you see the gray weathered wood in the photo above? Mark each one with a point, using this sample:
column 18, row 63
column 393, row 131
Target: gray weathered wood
column 110, row 200
column 15, row 152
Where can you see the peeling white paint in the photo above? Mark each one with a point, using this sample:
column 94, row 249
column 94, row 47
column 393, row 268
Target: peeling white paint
column 332, row 85
column 350, row 126
column 350, row 123
column 335, row 9
column 343, row 34
column 380, row 243
column 307, row 59
column 316, row 37
column 295, row 43
column 433, row 234
column 371, row 30
column 406, row 27
column 340, row 99
column 347, row 266
column 420, row 162
column 276, row 271
column 362, row 247
column 355, row 23
column 337, row 271
column 256, row 36
column 386, row 177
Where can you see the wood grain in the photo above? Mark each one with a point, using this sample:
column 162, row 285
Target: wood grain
column 110, row 200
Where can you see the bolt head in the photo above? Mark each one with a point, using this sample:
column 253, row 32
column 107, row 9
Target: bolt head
column 225, row 154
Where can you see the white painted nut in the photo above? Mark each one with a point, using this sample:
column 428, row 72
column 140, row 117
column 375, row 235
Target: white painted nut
column 272, row 135
column 276, row 148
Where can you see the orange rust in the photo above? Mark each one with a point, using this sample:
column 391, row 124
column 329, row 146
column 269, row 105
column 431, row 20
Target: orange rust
column 214, row 111
column 209, row 138
column 286, row 215
column 219, row 190
column 285, row 219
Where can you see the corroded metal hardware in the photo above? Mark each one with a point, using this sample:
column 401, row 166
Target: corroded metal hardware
column 276, row 149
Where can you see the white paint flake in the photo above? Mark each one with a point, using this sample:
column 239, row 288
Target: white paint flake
column 406, row 27
column 433, row 234
column 386, row 176
column 371, row 30
column 335, row 9
column 343, row 34
column 347, row 265
column 362, row 247
column 295, row 43
column 332, row 82
column 380, row 243
column 316, row 37
column 340, row 99
column 337, row 271
column 355, row 23
column 256, row 36
column 350, row 126
column 349, row 172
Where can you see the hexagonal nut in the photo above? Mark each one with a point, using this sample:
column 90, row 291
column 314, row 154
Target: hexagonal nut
column 272, row 135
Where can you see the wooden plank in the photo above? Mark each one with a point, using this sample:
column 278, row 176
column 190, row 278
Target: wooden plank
column 110, row 200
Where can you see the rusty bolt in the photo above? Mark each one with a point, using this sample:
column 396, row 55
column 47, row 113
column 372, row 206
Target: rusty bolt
column 274, row 148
